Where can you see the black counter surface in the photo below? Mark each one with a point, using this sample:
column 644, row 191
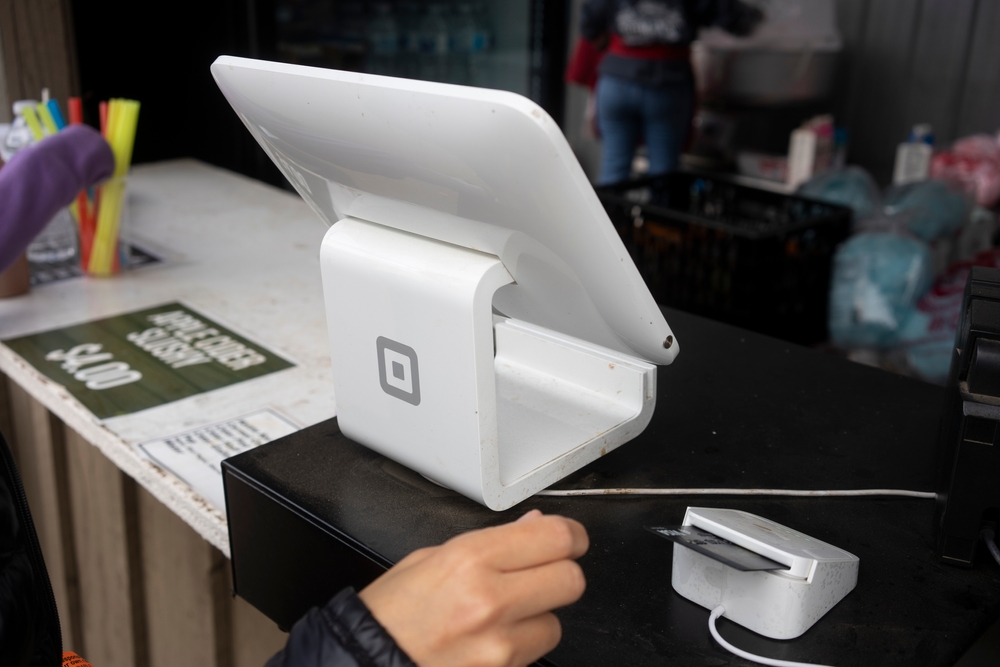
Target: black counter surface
column 314, row 512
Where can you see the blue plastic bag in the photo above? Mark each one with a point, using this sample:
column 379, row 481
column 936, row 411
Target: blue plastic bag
column 878, row 277
column 852, row 187
column 932, row 209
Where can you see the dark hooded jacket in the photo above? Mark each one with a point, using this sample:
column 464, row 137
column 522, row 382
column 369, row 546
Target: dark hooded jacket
column 341, row 634
column 29, row 624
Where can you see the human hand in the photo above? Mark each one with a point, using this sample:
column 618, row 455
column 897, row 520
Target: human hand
column 483, row 598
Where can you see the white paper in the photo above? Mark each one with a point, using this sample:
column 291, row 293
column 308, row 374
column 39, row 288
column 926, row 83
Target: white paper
column 196, row 456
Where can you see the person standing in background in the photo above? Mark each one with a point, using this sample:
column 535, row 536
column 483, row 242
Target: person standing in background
column 645, row 87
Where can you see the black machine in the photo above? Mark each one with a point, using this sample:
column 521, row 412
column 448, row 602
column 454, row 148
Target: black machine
column 969, row 494
column 314, row 512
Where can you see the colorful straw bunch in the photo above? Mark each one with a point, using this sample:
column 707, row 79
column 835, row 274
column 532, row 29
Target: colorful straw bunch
column 99, row 230
column 99, row 217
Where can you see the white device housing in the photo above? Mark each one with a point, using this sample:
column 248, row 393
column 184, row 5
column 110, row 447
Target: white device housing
column 447, row 203
column 491, row 407
column 780, row 604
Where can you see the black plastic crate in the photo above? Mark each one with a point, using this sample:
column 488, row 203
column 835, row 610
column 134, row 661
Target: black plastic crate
column 757, row 259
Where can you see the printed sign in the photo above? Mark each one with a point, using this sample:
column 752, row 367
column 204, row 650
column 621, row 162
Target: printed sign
column 131, row 362
column 196, row 456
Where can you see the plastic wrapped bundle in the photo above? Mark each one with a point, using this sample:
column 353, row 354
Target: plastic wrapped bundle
column 932, row 209
column 852, row 187
column 973, row 163
column 927, row 336
column 878, row 278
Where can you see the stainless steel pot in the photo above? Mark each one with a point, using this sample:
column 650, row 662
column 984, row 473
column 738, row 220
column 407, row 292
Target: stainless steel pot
column 763, row 76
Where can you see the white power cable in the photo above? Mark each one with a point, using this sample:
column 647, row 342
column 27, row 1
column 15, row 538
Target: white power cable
column 737, row 492
column 987, row 536
column 719, row 611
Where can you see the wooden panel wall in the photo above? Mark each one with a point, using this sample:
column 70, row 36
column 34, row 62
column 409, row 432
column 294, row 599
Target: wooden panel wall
column 188, row 625
column 134, row 584
column 914, row 61
column 979, row 104
column 99, row 495
column 937, row 70
column 38, row 48
column 5, row 111
column 254, row 635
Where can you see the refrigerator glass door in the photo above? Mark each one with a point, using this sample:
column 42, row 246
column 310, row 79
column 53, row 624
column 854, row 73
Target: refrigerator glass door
column 484, row 43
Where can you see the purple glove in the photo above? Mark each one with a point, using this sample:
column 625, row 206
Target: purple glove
column 41, row 179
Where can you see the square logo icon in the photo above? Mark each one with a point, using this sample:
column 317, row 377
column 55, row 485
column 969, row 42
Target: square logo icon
column 397, row 370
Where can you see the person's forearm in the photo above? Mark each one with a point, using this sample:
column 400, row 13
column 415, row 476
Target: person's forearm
column 41, row 179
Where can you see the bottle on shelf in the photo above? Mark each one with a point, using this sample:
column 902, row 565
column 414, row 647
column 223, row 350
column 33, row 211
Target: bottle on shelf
column 57, row 241
column 19, row 135
column 913, row 156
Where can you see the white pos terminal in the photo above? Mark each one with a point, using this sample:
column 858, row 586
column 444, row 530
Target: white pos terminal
column 487, row 326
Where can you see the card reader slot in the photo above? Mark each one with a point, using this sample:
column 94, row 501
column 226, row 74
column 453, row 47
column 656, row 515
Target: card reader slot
column 797, row 566
column 717, row 548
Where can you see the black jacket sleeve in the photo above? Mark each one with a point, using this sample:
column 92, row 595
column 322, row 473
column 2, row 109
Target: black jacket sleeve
column 29, row 622
column 341, row 634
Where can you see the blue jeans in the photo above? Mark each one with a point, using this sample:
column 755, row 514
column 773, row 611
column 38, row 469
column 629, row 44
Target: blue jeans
column 628, row 111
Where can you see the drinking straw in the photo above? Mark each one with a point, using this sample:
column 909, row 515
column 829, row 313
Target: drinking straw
column 114, row 115
column 45, row 115
column 75, row 105
column 87, row 246
column 122, row 118
column 103, row 110
column 32, row 120
column 83, row 215
column 126, row 140
column 56, row 114
column 92, row 225
column 107, row 220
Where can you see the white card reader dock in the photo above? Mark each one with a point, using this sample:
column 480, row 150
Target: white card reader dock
column 780, row 604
